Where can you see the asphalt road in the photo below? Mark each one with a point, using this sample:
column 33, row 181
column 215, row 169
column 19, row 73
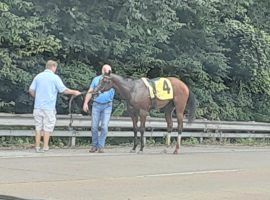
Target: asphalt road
column 197, row 173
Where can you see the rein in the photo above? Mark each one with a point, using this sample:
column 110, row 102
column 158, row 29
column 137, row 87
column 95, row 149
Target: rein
column 96, row 91
column 70, row 106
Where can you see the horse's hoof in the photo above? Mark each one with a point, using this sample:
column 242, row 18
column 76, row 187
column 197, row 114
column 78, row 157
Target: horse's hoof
column 140, row 152
column 132, row 151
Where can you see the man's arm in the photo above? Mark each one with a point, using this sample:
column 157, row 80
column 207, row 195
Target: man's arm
column 87, row 98
column 63, row 89
column 72, row 92
column 32, row 88
column 32, row 93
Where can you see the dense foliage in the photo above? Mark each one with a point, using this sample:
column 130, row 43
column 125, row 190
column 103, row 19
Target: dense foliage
column 220, row 48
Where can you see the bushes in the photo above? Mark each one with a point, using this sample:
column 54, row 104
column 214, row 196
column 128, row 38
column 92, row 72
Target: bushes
column 220, row 49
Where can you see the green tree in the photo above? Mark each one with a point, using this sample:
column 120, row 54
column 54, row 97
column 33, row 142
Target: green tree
column 219, row 48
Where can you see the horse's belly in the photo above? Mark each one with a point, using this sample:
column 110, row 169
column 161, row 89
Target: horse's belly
column 161, row 104
column 144, row 105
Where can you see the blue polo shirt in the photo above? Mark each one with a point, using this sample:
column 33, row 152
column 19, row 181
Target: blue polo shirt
column 104, row 97
column 46, row 86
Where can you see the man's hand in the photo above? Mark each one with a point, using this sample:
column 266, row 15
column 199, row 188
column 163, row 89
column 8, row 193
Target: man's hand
column 87, row 98
column 76, row 93
column 32, row 93
column 85, row 107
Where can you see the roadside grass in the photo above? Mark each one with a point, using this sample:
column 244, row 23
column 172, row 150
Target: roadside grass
column 64, row 142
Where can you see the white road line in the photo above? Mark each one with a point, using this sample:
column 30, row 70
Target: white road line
column 93, row 179
column 190, row 173
column 45, row 155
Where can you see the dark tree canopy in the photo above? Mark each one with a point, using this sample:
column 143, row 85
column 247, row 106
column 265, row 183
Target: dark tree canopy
column 221, row 49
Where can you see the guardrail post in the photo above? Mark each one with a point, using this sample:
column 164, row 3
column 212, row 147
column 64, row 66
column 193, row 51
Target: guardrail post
column 72, row 140
column 221, row 137
column 201, row 139
column 144, row 140
column 204, row 131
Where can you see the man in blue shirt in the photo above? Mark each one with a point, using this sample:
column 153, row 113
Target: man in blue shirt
column 44, row 88
column 101, row 112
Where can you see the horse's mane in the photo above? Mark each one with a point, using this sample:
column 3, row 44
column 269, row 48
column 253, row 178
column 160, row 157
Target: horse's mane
column 128, row 79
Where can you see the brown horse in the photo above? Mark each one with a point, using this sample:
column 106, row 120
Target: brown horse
column 139, row 103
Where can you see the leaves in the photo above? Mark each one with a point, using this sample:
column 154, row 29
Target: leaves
column 221, row 49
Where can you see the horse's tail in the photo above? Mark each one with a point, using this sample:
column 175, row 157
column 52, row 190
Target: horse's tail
column 191, row 106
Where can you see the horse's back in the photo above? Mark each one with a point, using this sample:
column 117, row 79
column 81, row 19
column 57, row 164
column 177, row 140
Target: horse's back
column 179, row 86
column 140, row 95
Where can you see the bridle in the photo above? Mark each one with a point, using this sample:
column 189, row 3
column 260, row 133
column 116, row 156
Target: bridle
column 102, row 84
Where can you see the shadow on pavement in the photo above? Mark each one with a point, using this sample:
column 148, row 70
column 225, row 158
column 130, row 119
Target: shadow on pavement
column 5, row 197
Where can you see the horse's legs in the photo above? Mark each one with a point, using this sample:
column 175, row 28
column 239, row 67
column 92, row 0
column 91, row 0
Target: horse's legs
column 168, row 116
column 133, row 113
column 180, row 104
column 142, row 129
column 135, row 129
column 180, row 118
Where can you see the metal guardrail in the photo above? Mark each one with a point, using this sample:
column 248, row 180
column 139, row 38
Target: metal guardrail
column 23, row 125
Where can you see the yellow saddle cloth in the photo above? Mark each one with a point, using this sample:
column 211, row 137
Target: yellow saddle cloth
column 160, row 88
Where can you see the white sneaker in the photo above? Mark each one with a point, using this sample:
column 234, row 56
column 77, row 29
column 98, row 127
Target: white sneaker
column 45, row 149
column 38, row 150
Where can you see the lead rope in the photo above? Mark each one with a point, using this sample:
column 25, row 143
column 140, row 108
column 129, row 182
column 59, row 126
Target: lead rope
column 70, row 128
column 70, row 108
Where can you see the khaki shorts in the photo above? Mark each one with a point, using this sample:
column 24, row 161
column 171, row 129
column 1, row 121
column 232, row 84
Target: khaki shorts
column 44, row 120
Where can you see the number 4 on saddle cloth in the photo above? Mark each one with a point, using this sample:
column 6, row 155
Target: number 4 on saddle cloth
column 160, row 88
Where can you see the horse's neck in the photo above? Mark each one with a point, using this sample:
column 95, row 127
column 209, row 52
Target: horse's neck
column 122, row 86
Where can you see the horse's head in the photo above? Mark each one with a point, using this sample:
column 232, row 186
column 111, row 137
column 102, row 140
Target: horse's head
column 105, row 83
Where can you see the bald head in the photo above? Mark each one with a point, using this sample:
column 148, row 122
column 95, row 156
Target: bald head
column 106, row 69
column 51, row 65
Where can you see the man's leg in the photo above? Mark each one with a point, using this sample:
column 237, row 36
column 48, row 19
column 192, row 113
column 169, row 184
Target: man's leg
column 105, row 118
column 46, row 140
column 94, row 126
column 37, row 138
column 38, row 118
column 49, row 123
